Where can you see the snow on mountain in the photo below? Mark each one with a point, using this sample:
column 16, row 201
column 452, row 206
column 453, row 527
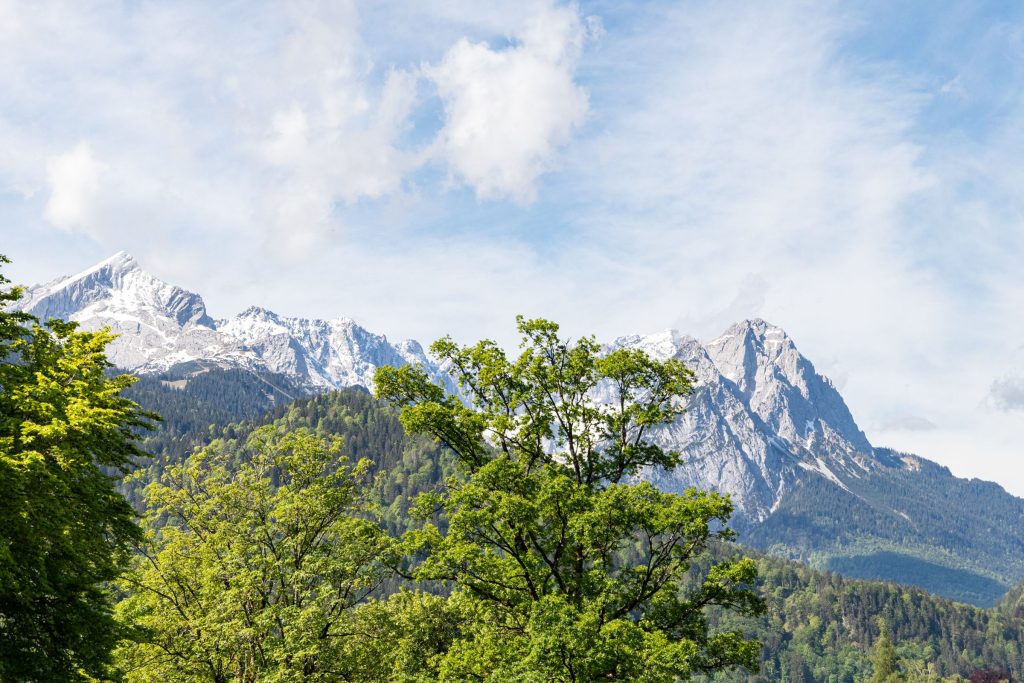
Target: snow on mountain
column 160, row 326
column 329, row 353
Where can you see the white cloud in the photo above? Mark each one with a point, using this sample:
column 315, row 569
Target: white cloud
column 508, row 109
column 74, row 179
column 715, row 161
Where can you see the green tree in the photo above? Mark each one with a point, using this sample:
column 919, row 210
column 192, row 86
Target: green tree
column 64, row 530
column 567, row 570
column 255, row 557
column 884, row 662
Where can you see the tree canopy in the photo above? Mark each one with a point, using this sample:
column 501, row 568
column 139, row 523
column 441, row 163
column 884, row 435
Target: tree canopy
column 255, row 555
column 64, row 530
column 570, row 570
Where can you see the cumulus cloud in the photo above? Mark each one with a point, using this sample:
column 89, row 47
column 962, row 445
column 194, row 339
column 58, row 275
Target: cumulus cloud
column 331, row 134
column 508, row 109
column 74, row 179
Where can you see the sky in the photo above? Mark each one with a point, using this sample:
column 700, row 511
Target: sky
column 848, row 171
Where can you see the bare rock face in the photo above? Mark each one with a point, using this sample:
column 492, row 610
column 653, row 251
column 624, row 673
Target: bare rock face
column 761, row 418
column 782, row 387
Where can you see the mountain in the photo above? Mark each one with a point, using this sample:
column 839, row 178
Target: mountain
column 765, row 427
column 762, row 425
column 161, row 327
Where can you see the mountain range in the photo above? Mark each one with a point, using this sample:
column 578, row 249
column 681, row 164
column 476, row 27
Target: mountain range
column 763, row 425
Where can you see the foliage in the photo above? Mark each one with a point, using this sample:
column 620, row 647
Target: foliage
column 884, row 662
column 828, row 624
column 404, row 638
column 255, row 556
column 570, row 572
column 818, row 624
column 64, row 530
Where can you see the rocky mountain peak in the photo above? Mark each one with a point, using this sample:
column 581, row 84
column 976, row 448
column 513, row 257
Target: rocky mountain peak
column 116, row 284
column 257, row 312
column 758, row 411
column 121, row 261
column 782, row 387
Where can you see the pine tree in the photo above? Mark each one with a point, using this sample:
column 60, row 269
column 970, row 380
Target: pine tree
column 884, row 662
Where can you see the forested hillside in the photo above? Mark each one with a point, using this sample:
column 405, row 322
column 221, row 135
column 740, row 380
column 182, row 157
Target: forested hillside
column 822, row 626
column 818, row 626
column 901, row 524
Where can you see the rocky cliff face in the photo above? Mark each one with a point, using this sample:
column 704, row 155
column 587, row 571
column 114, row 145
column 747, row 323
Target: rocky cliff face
column 760, row 419
column 328, row 353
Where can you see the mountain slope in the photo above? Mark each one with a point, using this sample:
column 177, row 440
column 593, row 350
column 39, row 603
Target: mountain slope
column 765, row 427
column 762, row 425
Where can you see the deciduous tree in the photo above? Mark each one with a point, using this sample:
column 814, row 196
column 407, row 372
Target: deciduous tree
column 571, row 569
column 64, row 530
column 255, row 556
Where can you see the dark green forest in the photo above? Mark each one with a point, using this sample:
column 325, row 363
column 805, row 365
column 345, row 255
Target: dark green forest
column 971, row 551
column 818, row 625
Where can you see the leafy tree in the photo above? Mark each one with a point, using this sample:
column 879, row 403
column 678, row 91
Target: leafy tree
column 64, row 530
column 828, row 619
column 401, row 639
column 568, row 570
column 255, row 556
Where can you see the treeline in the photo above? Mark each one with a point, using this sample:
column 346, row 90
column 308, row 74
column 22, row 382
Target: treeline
column 897, row 521
column 822, row 626
column 818, row 626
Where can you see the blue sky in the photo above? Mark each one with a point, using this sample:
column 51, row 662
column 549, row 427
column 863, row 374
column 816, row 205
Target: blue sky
column 848, row 171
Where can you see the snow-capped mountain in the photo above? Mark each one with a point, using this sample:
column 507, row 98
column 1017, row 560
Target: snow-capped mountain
column 328, row 353
column 161, row 326
column 760, row 419
column 762, row 425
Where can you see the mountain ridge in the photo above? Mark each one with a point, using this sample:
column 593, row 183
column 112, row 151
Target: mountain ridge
column 762, row 425
column 161, row 325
